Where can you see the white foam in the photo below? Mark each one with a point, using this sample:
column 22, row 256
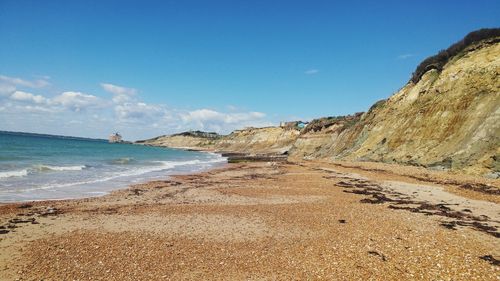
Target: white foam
column 60, row 168
column 10, row 174
column 165, row 165
column 40, row 168
column 172, row 164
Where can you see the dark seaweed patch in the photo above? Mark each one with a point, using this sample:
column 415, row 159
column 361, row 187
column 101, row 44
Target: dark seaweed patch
column 490, row 259
column 375, row 253
column 377, row 195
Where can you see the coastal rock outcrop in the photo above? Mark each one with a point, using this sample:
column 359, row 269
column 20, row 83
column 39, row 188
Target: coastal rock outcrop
column 193, row 140
column 267, row 140
column 449, row 119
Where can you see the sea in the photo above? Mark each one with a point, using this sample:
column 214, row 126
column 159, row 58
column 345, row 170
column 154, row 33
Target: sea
column 43, row 167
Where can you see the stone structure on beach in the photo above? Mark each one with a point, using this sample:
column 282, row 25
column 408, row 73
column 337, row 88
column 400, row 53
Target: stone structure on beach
column 115, row 138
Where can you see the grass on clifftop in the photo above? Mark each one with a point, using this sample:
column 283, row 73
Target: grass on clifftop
column 438, row 61
column 325, row 122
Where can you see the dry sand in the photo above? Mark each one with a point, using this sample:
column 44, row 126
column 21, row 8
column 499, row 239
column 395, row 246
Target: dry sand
column 264, row 221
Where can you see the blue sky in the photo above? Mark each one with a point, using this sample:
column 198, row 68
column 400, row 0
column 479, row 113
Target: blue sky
column 146, row 68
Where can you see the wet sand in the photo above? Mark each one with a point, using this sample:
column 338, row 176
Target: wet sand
column 264, row 221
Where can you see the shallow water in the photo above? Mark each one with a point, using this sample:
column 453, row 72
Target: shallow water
column 34, row 167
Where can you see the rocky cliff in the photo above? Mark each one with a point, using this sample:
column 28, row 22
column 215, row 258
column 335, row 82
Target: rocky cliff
column 274, row 140
column 446, row 117
column 193, row 140
column 268, row 140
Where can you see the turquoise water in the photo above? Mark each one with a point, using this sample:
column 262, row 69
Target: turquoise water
column 34, row 167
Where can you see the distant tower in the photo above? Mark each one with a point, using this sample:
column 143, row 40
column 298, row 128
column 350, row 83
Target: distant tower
column 114, row 138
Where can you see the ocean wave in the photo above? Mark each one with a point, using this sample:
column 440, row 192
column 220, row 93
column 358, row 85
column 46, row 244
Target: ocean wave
column 173, row 164
column 164, row 165
column 128, row 173
column 10, row 174
column 39, row 168
column 47, row 168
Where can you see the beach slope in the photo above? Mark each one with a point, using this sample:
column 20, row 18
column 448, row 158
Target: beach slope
column 278, row 221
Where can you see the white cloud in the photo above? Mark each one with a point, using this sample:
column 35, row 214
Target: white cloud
column 28, row 97
column 118, row 90
column 121, row 99
column 6, row 89
column 120, row 94
column 39, row 83
column 213, row 120
column 76, row 101
column 35, row 109
column 405, row 56
column 84, row 114
column 203, row 115
column 311, row 71
column 138, row 111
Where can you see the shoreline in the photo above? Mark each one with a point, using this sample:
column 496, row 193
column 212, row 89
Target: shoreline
column 412, row 173
column 108, row 185
column 127, row 186
column 261, row 219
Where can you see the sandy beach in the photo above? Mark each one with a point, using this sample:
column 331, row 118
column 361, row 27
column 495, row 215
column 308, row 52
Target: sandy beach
column 264, row 221
column 262, row 140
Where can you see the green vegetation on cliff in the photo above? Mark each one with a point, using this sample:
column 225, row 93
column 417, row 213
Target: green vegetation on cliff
column 438, row 61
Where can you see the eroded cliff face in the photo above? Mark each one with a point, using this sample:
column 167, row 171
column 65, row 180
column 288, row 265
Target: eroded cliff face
column 194, row 140
column 448, row 120
column 269, row 140
column 325, row 137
